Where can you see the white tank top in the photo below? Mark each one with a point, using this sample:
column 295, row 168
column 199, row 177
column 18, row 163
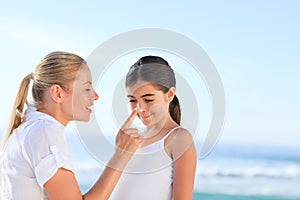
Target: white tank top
column 148, row 175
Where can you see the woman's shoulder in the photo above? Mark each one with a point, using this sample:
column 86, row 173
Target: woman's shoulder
column 41, row 129
column 40, row 135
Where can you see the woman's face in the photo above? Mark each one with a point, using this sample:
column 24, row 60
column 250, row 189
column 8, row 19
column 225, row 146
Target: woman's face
column 83, row 94
column 152, row 104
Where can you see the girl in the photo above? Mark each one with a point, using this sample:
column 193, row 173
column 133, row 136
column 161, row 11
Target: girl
column 35, row 163
column 163, row 168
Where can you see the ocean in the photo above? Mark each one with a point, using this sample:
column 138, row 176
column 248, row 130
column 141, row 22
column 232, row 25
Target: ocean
column 235, row 172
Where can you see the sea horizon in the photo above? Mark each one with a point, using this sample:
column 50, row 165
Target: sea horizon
column 230, row 171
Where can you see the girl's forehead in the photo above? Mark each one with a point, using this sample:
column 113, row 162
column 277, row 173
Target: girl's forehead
column 139, row 89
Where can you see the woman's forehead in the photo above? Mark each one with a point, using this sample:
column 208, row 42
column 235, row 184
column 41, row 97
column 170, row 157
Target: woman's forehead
column 84, row 74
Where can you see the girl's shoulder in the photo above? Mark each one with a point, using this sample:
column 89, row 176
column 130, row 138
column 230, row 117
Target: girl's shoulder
column 179, row 134
column 178, row 142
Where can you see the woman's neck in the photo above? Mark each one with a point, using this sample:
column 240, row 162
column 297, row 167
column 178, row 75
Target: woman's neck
column 56, row 115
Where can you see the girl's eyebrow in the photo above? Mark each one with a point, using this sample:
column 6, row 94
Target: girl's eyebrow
column 145, row 95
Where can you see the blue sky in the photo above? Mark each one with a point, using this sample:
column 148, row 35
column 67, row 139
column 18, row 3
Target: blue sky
column 254, row 45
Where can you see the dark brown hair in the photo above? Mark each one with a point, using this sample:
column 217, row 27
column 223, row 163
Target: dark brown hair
column 157, row 71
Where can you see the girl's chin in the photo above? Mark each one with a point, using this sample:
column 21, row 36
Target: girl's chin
column 146, row 122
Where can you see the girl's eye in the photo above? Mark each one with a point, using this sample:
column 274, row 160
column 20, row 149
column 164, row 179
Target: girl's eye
column 88, row 89
column 148, row 100
column 132, row 100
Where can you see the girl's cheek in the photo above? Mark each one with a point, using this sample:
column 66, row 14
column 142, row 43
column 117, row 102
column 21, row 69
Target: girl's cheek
column 132, row 107
column 157, row 109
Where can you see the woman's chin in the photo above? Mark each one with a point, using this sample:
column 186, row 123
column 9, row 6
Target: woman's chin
column 82, row 119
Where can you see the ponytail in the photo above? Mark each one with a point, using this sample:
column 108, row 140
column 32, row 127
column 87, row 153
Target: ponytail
column 50, row 70
column 174, row 109
column 17, row 116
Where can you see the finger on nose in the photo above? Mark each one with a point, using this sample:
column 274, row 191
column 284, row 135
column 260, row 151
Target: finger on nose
column 129, row 120
column 130, row 131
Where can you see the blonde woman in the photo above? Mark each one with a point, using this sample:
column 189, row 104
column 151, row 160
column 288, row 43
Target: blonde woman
column 35, row 163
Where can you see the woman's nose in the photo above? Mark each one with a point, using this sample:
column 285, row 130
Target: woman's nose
column 96, row 96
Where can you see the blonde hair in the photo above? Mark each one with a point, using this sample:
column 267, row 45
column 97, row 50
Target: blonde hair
column 55, row 68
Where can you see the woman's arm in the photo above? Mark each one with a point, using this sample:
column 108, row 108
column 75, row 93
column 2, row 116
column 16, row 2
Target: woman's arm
column 63, row 185
column 184, row 157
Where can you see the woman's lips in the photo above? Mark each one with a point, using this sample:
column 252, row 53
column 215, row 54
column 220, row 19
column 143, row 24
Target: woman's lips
column 89, row 108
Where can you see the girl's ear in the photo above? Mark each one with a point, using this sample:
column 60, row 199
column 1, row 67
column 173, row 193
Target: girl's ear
column 56, row 93
column 171, row 93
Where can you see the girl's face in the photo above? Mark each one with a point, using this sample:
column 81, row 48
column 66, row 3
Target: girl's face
column 83, row 94
column 152, row 104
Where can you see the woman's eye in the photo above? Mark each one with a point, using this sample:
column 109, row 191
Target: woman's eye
column 132, row 100
column 88, row 89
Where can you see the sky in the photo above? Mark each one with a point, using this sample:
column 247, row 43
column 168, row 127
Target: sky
column 253, row 44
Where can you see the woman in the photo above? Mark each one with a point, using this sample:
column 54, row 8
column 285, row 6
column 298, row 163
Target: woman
column 163, row 168
column 35, row 163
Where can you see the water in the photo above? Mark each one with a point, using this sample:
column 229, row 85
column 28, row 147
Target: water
column 229, row 172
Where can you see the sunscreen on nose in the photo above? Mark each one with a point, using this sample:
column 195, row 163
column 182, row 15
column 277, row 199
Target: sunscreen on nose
column 140, row 109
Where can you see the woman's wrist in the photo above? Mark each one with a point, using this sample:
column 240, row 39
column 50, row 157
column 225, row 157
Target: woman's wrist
column 120, row 159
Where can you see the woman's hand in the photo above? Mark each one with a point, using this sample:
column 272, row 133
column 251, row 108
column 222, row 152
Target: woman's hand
column 63, row 184
column 128, row 139
column 127, row 142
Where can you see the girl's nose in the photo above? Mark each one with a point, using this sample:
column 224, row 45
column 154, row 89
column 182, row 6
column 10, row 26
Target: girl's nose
column 140, row 107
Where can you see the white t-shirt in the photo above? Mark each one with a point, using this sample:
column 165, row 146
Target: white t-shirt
column 32, row 156
column 148, row 175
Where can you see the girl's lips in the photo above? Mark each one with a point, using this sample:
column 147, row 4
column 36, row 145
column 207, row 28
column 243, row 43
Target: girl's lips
column 146, row 117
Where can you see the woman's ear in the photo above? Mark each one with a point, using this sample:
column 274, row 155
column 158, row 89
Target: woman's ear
column 56, row 93
column 171, row 93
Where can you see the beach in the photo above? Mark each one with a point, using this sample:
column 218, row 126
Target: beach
column 235, row 172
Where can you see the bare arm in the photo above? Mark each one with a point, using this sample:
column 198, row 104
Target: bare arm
column 63, row 185
column 111, row 174
column 184, row 156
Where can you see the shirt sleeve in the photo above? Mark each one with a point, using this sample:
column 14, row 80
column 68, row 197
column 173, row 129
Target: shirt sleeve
column 46, row 149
